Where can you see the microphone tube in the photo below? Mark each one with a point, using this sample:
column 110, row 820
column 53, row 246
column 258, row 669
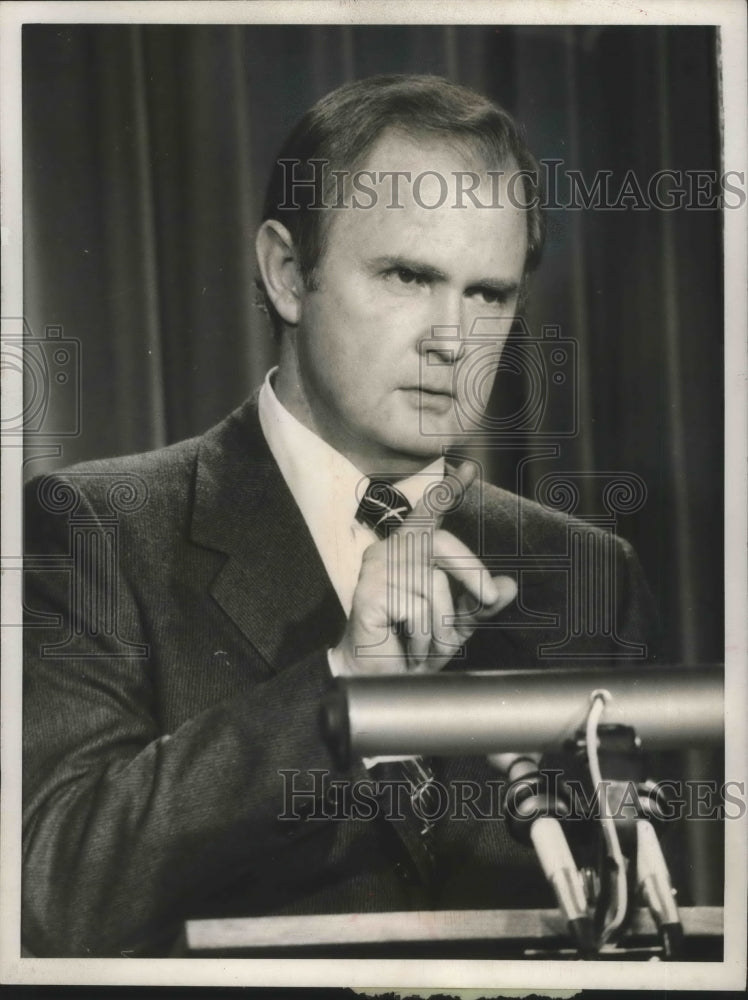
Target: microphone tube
column 468, row 714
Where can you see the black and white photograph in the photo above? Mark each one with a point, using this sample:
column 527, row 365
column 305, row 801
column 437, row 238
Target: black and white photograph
column 374, row 533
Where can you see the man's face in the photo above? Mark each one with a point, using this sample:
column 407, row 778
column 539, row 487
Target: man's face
column 377, row 375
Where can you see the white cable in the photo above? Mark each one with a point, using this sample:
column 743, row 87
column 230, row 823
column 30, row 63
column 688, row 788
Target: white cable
column 598, row 700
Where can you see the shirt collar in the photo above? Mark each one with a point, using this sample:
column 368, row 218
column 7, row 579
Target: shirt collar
column 324, row 483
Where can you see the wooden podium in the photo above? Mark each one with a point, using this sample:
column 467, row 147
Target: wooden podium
column 498, row 934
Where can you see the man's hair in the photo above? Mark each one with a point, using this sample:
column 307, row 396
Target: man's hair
column 340, row 130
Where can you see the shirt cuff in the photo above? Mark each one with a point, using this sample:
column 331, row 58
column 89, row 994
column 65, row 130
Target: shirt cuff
column 336, row 662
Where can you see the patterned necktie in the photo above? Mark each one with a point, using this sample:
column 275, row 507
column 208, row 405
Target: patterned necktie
column 384, row 508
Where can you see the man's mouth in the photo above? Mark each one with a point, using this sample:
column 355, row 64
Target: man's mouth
column 432, row 390
column 430, row 400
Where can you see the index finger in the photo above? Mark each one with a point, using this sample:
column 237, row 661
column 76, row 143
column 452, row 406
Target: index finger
column 459, row 482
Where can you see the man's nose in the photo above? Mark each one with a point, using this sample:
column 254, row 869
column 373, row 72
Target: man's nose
column 445, row 337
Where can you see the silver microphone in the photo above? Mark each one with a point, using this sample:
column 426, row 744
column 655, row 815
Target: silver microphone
column 653, row 880
column 533, row 813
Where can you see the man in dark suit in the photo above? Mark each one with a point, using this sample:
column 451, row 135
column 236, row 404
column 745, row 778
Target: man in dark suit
column 191, row 606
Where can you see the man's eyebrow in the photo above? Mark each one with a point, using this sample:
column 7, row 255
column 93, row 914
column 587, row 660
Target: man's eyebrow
column 499, row 286
column 418, row 267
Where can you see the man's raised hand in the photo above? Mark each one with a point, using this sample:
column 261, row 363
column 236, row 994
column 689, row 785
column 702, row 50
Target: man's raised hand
column 420, row 595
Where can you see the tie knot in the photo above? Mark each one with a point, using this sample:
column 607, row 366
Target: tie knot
column 383, row 508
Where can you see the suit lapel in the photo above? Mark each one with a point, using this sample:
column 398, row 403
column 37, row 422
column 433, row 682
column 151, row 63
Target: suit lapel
column 273, row 586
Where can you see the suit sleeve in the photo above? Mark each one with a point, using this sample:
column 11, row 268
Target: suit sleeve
column 127, row 829
column 637, row 621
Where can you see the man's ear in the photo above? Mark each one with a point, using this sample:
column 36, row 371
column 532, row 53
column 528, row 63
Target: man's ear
column 276, row 257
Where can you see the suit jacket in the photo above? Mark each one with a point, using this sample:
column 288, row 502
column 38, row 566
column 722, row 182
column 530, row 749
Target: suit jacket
column 178, row 621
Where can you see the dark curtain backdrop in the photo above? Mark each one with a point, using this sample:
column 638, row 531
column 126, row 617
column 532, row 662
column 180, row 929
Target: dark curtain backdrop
column 146, row 151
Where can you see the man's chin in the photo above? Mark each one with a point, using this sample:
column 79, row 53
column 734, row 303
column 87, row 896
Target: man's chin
column 424, row 447
column 411, row 441
column 435, row 434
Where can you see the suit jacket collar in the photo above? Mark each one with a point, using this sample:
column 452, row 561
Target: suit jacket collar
column 273, row 585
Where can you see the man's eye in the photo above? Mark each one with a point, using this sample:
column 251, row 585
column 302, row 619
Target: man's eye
column 489, row 296
column 405, row 276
